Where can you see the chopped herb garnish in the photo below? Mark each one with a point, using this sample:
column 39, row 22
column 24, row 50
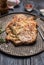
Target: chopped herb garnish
column 1, row 31
column 2, row 40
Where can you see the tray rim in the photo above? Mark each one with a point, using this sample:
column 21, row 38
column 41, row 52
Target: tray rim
column 17, row 13
column 6, row 53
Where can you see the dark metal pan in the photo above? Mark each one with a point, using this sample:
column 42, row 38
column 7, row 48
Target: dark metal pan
column 20, row 51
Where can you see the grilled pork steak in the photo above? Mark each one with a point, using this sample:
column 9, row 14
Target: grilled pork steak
column 22, row 30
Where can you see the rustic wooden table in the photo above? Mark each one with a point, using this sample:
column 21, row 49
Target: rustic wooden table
column 9, row 60
column 35, row 60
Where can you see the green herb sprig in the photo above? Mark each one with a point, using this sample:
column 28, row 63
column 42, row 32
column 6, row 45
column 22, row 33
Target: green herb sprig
column 2, row 31
column 2, row 40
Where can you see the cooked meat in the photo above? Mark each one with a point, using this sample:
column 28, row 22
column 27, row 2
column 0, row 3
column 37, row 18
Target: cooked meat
column 22, row 30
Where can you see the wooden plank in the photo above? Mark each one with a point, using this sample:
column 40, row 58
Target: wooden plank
column 5, row 60
column 24, row 61
column 38, row 60
column 28, row 61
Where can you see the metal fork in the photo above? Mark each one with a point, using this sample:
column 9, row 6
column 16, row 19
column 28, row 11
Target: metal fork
column 41, row 32
column 41, row 28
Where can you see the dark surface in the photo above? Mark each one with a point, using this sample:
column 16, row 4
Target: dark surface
column 35, row 60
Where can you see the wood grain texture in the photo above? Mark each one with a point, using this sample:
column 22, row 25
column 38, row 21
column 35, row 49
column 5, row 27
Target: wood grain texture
column 5, row 60
column 38, row 60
